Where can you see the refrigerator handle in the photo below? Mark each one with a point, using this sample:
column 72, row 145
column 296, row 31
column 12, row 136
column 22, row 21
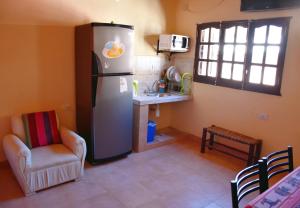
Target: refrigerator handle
column 94, row 90
column 96, row 86
column 97, row 66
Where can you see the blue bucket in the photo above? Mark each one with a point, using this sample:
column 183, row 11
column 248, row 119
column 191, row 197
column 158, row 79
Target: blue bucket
column 151, row 131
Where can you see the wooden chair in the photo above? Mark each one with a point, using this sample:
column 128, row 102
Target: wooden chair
column 279, row 162
column 250, row 179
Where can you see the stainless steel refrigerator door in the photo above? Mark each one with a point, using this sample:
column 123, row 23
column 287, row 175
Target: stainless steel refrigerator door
column 113, row 47
column 113, row 116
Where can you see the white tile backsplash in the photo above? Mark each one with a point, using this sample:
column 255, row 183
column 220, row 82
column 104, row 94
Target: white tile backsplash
column 184, row 64
column 148, row 69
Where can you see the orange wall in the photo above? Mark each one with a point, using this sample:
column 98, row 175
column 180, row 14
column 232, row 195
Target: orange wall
column 235, row 109
column 37, row 72
column 37, row 49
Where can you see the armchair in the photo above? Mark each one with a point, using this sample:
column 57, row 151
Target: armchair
column 46, row 166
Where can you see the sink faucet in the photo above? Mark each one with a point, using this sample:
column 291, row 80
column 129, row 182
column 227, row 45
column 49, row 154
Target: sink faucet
column 153, row 88
column 148, row 89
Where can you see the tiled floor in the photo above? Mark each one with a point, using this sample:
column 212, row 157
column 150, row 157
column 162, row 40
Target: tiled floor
column 176, row 175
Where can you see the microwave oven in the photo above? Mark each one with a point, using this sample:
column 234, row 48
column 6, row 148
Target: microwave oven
column 173, row 43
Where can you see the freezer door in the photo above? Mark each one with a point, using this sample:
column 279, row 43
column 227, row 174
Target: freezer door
column 113, row 49
column 113, row 116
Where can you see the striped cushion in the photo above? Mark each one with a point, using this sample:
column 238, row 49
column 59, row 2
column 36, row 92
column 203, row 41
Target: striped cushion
column 40, row 129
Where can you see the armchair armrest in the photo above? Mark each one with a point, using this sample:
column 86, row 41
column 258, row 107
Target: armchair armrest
column 74, row 142
column 19, row 158
column 17, row 153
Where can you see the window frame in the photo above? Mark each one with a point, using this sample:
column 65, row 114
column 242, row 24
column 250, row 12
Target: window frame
column 283, row 22
column 229, row 82
column 206, row 79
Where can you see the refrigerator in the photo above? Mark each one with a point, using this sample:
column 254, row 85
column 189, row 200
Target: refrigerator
column 104, row 75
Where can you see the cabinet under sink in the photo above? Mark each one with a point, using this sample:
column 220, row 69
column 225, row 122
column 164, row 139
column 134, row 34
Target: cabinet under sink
column 144, row 108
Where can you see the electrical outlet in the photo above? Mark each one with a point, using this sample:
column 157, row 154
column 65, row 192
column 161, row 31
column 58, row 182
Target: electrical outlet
column 263, row 116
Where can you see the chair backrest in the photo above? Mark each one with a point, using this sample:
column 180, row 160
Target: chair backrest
column 256, row 177
column 279, row 162
column 250, row 179
column 17, row 126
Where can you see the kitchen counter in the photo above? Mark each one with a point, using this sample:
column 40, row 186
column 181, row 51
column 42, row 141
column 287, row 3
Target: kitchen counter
column 166, row 98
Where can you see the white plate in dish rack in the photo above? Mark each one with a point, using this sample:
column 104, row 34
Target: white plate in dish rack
column 170, row 72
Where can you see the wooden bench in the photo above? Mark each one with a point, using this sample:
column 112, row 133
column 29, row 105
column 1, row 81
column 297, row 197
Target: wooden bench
column 251, row 156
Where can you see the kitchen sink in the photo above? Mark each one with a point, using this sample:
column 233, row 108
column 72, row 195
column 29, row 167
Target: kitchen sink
column 151, row 93
column 164, row 94
column 156, row 94
column 153, row 97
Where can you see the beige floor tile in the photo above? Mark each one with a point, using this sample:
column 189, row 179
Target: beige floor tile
column 134, row 195
column 7, row 180
column 152, row 204
column 105, row 201
column 176, row 175
column 186, row 199
column 214, row 205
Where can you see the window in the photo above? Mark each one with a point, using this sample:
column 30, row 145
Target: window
column 247, row 55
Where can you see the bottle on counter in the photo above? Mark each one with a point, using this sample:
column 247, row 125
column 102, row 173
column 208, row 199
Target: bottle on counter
column 162, row 86
column 135, row 84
